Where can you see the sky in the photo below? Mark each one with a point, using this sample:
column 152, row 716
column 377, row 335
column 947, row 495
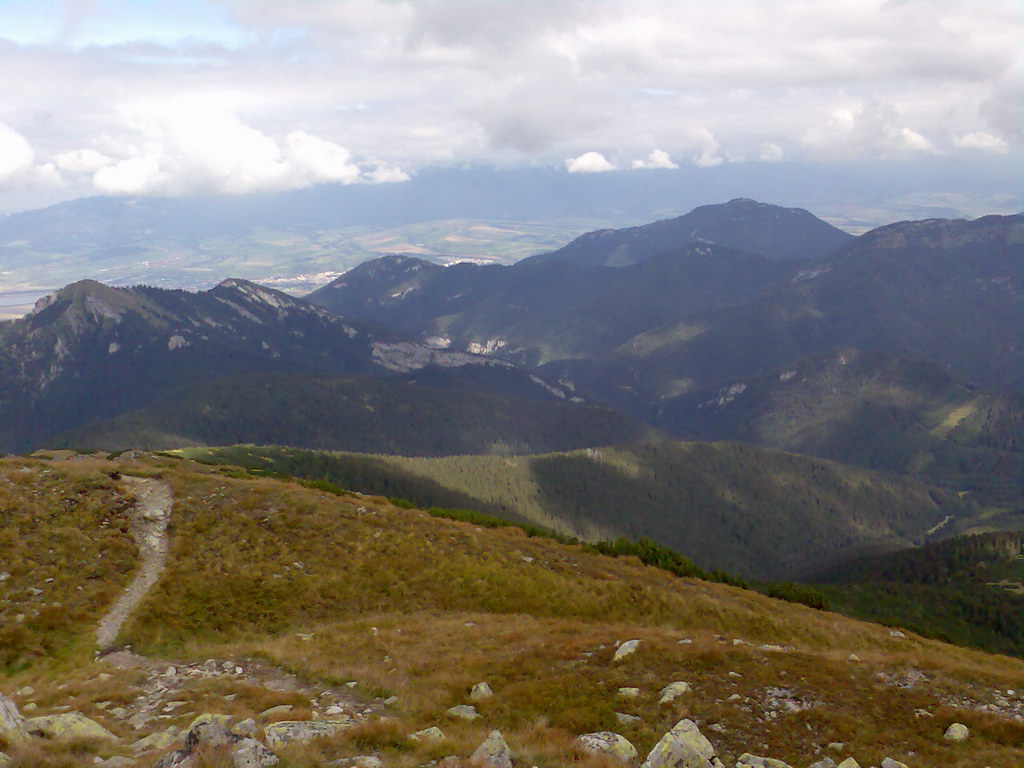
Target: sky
column 147, row 97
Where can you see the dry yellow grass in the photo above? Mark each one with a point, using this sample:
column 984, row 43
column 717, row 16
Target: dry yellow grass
column 422, row 608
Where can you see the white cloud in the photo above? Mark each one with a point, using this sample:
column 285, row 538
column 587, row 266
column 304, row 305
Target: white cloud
column 770, row 153
column 198, row 145
column 707, row 155
column 982, row 141
column 589, row 162
column 875, row 130
column 16, row 153
column 657, row 159
column 81, row 161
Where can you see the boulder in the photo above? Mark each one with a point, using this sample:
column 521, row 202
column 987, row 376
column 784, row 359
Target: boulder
column 673, row 691
column 626, row 649
column 626, row 719
column 629, row 693
column 890, row 763
column 212, row 733
column 249, row 753
column 849, row 763
column 12, row 724
column 286, row 731
column 463, row 712
column 428, row 734
column 70, row 725
column 492, row 753
column 957, row 732
column 827, row 762
column 481, row 692
column 682, row 747
column 608, row 743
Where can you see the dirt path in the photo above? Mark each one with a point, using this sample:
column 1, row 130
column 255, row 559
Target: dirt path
column 149, row 529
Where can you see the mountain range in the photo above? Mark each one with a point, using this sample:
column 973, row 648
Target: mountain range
column 899, row 352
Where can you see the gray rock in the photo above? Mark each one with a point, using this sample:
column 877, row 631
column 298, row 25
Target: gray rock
column 682, row 747
column 626, row 649
column 747, row 760
column 463, row 712
column 428, row 734
column 212, row 733
column 481, row 692
column 629, row 693
column 158, row 740
column 249, row 753
column 278, row 711
column 957, row 732
column 12, row 724
column 849, row 763
column 827, row 762
column 360, row 761
column 27, row 690
column 492, row 753
column 112, row 762
column 287, row 731
column 625, row 719
column 608, row 743
column 70, row 725
column 246, row 727
column 890, row 763
column 673, row 691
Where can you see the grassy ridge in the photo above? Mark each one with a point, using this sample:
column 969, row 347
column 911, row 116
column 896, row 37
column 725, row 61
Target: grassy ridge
column 755, row 512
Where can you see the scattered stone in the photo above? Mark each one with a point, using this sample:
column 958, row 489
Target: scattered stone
column 428, row 734
column 827, row 762
column 849, row 763
column 492, row 753
column 27, row 690
column 463, row 712
column 836, row 746
column 957, row 732
column 287, row 731
column 629, row 693
column 334, row 710
column 608, row 743
column 390, row 700
column 890, row 763
column 246, row 727
column 896, row 633
column 211, row 732
column 360, row 761
column 747, row 760
column 279, row 711
column 685, row 641
column 673, row 691
column 30, row 707
column 682, row 747
column 625, row 719
column 626, row 649
column 71, row 725
column 481, row 692
column 111, row 762
column 249, row 753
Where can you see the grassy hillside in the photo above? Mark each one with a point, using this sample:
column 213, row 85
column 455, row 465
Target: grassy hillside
column 756, row 512
column 275, row 576
column 362, row 414
column 968, row 590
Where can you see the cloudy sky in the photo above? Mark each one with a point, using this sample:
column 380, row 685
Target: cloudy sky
column 195, row 96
